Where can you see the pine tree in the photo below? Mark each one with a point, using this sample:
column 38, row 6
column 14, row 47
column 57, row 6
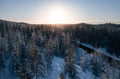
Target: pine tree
column 70, row 69
column 95, row 68
column 22, row 70
column 2, row 64
column 14, row 51
column 61, row 76
column 37, row 61
column 49, row 56
column 104, row 72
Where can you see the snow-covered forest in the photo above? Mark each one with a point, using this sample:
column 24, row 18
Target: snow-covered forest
column 32, row 51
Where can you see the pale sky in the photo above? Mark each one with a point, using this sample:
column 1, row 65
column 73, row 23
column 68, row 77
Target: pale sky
column 60, row 11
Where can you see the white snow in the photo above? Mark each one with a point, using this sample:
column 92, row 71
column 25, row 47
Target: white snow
column 84, row 57
column 58, row 67
column 87, row 45
column 102, row 50
column 5, row 74
column 86, row 74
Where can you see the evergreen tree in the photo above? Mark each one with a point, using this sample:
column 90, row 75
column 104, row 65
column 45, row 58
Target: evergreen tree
column 37, row 61
column 95, row 68
column 70, row 68
column 61, row 76
column 49, row 56
column 2, row 64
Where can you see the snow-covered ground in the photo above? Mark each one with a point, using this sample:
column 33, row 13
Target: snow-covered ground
column 86, row 74
column 58, row 67
column 5, row 74
column 103, row 51
column 86, row 60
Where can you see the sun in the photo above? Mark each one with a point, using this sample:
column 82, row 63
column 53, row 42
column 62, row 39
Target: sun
column 55, row 14
column 58, row 15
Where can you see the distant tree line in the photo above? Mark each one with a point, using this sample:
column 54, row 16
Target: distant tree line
column 103, row 35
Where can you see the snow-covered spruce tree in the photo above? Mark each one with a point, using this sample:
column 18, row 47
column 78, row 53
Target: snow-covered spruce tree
column 20, row 66
column 37, row 61
column 49, row 56
column 3, row 50
column 13, row 46
column 104, row 72
column 57, row 49
column 96, row 69
column 22, row 70
column 61, row 76
column 70, row 68
column 2, row 63
column 40, row 40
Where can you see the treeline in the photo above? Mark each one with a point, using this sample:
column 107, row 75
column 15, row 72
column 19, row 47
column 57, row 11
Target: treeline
column 104, row 35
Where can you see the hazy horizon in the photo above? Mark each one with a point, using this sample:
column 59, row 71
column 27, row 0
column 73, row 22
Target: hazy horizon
column 60, row 11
